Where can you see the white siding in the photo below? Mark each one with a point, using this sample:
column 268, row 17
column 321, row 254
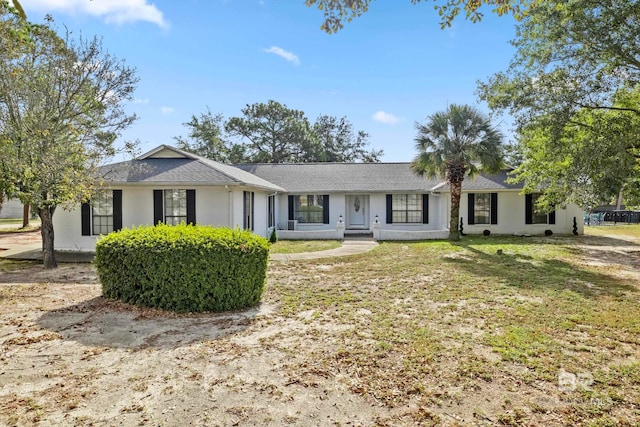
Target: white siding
column 213, row 207
column 377, row 206
column 511, row 218
column 11, row 208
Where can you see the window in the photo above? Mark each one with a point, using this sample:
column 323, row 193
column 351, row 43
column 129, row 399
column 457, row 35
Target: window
column 102, row 213
column 309, row 208
column 175, row 206
column 271, row 211
column 248, row 199
column 534, row 217
column 482, row 208
column 406, row 208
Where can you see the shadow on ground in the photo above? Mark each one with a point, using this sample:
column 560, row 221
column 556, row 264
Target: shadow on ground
column 106, row 323
column 523, row 271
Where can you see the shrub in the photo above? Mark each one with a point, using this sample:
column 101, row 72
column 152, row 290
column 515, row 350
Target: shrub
column 273, row 237
column 184, row 267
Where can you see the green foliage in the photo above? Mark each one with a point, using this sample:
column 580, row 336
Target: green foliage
column 61, row 109
column 451, row 144
column 184, row 267
column 339, row 142
column 273, row 237
column 274, row 133
column 573, row 90
column 336, row 12
column 207, row 138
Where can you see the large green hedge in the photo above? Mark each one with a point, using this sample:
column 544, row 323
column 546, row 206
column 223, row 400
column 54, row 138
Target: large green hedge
column 183, row 267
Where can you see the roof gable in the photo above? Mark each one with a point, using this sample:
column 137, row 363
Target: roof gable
column 166, row 152
column 169, row 165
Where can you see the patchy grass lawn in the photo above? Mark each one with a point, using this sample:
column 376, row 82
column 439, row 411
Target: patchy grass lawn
column 409, row 334
column 297, row 246
column 14, row 225
column 631, row 230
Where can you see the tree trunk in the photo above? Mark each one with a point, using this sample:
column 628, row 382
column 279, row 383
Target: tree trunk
column 46, row 229
column 456, row 191
column 25, row 215
column 619, row 201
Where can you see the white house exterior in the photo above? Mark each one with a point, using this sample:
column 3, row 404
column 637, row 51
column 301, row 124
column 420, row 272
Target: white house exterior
column 11, row 208
column 302, row 201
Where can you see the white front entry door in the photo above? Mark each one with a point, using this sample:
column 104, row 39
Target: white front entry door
column 358, row 211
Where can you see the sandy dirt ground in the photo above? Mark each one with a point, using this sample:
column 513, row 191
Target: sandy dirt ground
column 70, row 357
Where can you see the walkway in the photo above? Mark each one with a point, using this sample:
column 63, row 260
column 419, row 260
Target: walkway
column 349, row 247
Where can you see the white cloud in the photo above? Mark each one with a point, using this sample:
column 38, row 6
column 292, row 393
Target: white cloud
column 384, row 117
column 113, row 11
column 166, row 110
column 140, row 101
column 289, row 56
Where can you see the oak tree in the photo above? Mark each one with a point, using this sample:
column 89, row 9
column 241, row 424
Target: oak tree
column 338, row 12
column 61, row 109
column 573, row 89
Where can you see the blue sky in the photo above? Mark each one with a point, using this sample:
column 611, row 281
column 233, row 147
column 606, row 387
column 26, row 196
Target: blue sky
column 384, row 71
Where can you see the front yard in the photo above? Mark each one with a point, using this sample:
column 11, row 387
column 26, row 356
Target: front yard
column 545, row 333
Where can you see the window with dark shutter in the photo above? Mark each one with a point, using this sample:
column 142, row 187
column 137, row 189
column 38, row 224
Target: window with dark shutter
column 405, row 208
column 425, row 209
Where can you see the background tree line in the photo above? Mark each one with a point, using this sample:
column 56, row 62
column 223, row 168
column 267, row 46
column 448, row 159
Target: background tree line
column 273, row 133
column 572, row 88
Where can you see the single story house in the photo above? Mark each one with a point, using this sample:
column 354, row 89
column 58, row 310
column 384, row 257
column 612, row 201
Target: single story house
column 302, row 201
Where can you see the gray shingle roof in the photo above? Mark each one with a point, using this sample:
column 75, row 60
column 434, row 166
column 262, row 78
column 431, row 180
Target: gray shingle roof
column 168, row 165
column 189, row 169
column 483, row 182
column 341, row 177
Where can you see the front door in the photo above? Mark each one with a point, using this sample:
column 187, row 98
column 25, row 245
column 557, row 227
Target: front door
column 358, row 211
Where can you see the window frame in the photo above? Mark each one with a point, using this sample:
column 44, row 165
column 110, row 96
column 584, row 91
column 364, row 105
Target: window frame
column 86, row 214
column 248, row 206
column 403, row 212
column 271, row 211
column 486, row 210
column 536, row 218
column 309, row 216
column 97, row 204
column 182, row 205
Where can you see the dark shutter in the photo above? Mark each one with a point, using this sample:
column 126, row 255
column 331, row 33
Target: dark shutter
column 494, row 208
column 528, row 209
column 245, row 224
column 191, row 207
column 157, row 207
column 291, row 202
column 552, row 217
column 253, row 200
column 325, row 209
column 117, row 210
column 425, row 209
column 389, row 209
column 471, row 202
column 85, row 212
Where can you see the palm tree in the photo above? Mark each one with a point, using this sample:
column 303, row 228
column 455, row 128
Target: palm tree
column 452, row 144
